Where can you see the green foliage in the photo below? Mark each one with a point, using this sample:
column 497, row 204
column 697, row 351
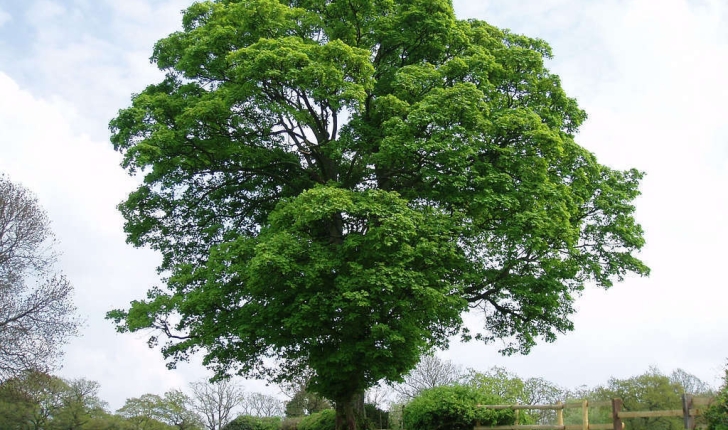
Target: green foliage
column 150, row 411
column 291, row 423
column 454, row 407
column 38, row 400
column 247, row 422
column 324, row 420
column 396, row 411
column 106, row 421
column 377, row 418
column 305, row 402
column 16, row 406
column 332, row 184
column 716, row 415
column 499, row 382
column 650, row 391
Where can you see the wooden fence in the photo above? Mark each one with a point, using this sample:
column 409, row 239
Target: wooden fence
column 692, row 407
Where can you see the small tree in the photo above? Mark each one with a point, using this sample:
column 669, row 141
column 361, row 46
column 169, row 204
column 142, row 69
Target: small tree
column 80, row 400
column 37, row 315
column 141, row 412
column 216, row 401
column 176, row 409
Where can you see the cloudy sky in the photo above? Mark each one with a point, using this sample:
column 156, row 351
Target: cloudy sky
column 651, row 75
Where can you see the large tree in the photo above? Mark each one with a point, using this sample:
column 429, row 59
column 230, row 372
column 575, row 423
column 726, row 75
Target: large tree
column 333, row 183
column 37, row 315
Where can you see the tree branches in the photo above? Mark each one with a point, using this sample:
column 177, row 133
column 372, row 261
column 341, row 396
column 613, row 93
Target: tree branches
column 36, row 308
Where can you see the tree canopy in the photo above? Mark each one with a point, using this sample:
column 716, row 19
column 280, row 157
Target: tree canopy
column 332, row 184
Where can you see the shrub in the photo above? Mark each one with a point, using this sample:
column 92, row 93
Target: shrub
column 247, row 422
column 324, row 420
column 717, row 414
column 291, row 423
column 453, row 408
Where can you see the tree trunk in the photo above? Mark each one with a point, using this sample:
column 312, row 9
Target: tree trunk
column 350, row 412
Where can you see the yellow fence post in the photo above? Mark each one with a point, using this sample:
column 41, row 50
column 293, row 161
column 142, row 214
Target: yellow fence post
column 560, row 414
column 585, row 415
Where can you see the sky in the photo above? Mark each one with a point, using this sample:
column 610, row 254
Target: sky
column 650, row 74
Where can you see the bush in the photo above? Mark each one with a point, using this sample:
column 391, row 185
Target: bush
column 247, row 422
column 454, row 408
column 291, row 423
column 324, row 420
column 717, row 414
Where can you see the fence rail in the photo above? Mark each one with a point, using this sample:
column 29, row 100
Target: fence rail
column 689, row 411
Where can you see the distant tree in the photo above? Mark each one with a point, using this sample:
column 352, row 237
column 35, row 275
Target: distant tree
column 430, row 372
column 305, row 403
column 176, row 409
column 216, row 401
column 79, row 402
column 690, row 383
column 37, row 315
column 650, row 391
column 499, row 382
column 41, row 397
column 141, row 412
column 16, row 404
column 379, row 395
column 40, row 401
column 261, row 405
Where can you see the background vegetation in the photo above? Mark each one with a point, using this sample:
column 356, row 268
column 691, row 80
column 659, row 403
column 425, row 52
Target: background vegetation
column 39, row 401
